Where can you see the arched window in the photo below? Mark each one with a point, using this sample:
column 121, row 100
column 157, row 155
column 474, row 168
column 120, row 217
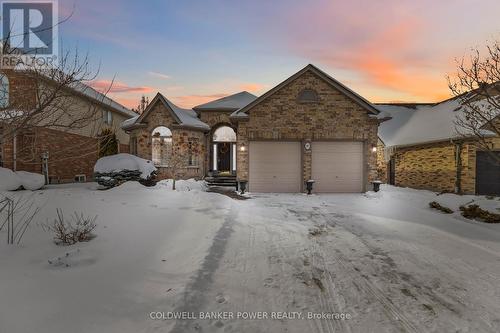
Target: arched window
column 224, row 134
column 308, row 96
column 161, row 146
column 4, row 91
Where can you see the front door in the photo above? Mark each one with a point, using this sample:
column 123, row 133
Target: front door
column 224, row 156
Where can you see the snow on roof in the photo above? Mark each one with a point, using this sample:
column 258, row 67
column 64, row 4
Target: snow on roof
column 85, row 90
column 100, row 97
column 418, row 123
column 185, row 117
column 129, row 122
column 231, row 102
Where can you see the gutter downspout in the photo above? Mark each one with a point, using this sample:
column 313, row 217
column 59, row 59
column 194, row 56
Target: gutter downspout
column 458, row 164
column 14, row 152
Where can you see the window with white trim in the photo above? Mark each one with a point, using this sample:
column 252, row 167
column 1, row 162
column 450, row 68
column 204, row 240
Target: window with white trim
column 193, row 152
column 107, row 117
column 161, row 145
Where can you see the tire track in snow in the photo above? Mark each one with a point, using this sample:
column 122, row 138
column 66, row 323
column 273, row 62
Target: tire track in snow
column 362, row 281
column 194, row 294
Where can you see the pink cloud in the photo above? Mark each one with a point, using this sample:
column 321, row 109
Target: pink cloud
column 386, row 50
column 116, row 87
column 231, row 86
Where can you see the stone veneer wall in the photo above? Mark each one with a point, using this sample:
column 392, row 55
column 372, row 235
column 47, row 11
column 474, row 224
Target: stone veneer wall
column 160, row 116
column 382, row 167
column 282, row 117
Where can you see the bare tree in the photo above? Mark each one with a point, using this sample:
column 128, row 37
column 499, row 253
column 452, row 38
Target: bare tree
column 143, row 104
column 476, row 85
column 177, row 164
column 55, row 96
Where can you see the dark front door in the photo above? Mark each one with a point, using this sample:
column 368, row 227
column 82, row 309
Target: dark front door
column 487, row 173
column 224, row 156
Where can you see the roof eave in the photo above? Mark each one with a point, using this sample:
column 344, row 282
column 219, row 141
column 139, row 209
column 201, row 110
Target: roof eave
column 345, row 90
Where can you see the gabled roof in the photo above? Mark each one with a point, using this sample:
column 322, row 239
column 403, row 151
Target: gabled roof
column 89, row 92
column 101, row 98
column 420, row 123
column 242, row 113
column 184, row 117
column 228, row 103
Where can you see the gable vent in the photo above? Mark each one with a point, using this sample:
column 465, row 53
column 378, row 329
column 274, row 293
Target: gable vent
column 308, row 96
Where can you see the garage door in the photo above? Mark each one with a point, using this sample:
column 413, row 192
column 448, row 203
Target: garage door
column 487, row 173
column 337, row 166
column 274, row 167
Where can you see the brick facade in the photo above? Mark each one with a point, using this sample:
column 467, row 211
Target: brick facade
column 72, row 152
column 69, row 154
column 181, row 138
column 282, row 117
column 434, row 166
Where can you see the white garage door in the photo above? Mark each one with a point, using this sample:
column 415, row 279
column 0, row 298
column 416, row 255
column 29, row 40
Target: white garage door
column 337, row 166
column 274, row 167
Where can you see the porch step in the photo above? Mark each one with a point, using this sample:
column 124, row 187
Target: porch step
column 221, row 181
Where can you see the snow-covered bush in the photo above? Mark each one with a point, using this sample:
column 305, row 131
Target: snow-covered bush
column 31, row 181
column 110, row 171
column 67, row 233
column 476, row 212
column 438, row 206
column 11, row 181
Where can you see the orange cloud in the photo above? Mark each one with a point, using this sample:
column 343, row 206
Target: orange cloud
column 388, row 52
column 130, row 103
column 252, row 87
column 117, row 87
column 189, row 101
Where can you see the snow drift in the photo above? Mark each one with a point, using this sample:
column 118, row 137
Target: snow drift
column 184, row 185
column 11, row 181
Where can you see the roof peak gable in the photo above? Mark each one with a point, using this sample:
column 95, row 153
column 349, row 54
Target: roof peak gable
column 241, row 113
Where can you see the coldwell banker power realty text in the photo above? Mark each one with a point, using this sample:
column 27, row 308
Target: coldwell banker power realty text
column 257, row 315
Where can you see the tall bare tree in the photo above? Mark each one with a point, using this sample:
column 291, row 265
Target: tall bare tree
column 476, row 85
column 49, row 95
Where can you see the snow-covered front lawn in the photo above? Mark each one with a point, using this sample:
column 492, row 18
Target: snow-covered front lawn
column 385, row 260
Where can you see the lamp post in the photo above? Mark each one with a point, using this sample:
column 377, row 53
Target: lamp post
column 309, row 186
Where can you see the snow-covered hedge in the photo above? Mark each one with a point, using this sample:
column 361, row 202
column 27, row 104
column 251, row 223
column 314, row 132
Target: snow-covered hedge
column 11, row 181
column 110, row 171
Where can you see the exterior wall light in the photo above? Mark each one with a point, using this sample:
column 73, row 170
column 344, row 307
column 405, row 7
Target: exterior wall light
column 243, row 148
column 374, row 149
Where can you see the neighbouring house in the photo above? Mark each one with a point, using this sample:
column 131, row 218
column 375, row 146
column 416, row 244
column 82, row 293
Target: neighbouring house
column 419, row 147
column 71, row 153
column 310, row 126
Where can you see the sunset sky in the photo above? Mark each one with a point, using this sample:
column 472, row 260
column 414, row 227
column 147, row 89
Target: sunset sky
column 196, row 51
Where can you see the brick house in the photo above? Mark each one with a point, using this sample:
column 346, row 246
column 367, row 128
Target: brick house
column 310, row 126
column 72, row 152
column 419, row 147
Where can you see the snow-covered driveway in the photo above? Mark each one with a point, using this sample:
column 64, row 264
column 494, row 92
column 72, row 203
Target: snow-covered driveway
column 385, row 261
